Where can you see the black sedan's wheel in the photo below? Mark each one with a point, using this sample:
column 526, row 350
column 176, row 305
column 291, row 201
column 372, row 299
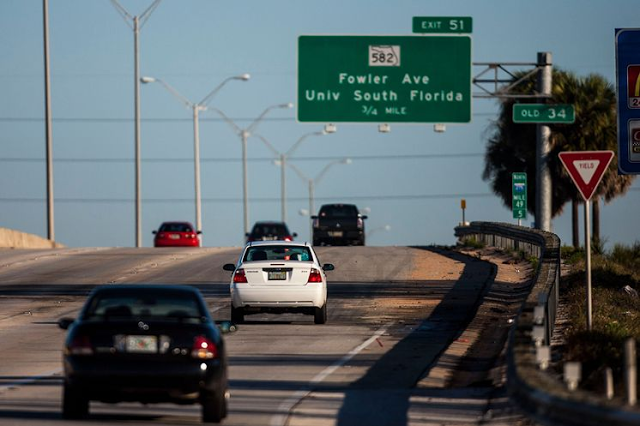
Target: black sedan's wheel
column 237, row 315
column 74, row 404
column 320, row 314
column 214, row 407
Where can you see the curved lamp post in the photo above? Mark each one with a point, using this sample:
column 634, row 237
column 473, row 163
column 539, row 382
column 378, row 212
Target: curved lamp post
column 196, row 108
column 136, row 23
column 312, row 184
column 281, row 161
column 244, row 135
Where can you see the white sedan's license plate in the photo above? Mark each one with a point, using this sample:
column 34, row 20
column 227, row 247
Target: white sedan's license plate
column 277, row 275
column 335, row 233
column 142, row 344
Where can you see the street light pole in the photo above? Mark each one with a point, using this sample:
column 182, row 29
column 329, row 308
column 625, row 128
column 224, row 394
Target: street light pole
column 245, row 183
column 136, row 23
column 136, row 33
column 196, row 166
column 196, row 108
column 244, row 135
column 312, row 207
column 283, row 187
column 312, row 184
column 51, row 234
column 282, row 159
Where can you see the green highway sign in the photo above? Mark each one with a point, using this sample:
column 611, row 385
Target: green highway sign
column 384, row 79
column 519, row 195
column 442, row 24
column 543, row 113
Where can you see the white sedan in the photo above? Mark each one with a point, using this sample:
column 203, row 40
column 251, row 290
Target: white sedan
column 278, row 276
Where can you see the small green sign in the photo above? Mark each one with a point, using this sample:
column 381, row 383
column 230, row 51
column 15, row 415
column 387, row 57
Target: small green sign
column 442, row 24
column 519, row 195
column 543, row 113
column 384, row 79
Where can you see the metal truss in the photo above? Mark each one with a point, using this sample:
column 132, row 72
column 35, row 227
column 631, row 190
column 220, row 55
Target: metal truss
column 495, row 80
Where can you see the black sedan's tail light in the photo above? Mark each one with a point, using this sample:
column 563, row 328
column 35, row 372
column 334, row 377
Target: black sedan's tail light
column 204, row 348
column 80, row 345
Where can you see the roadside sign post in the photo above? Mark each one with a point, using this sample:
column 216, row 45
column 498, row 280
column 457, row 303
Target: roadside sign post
column 463, row 207
column 519, row 196
column 586, row 169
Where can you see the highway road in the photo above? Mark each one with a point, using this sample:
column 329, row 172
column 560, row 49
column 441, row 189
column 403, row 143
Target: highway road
column 387, row 355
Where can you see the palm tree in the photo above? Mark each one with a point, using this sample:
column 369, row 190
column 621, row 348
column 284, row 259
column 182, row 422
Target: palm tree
column 511, row 147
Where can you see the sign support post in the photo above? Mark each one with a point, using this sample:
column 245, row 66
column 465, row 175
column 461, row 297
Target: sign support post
column 543, row 147
column 586, row 169
column 587, row 245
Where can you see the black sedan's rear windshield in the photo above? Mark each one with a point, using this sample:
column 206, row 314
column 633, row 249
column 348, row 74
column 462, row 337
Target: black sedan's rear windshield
column 345, row 210
column 162, row 306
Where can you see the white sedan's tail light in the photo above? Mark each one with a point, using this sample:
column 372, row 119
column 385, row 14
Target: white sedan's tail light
column 314, row 276
column 239, row 276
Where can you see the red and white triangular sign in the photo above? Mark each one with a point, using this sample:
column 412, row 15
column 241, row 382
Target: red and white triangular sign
column 586, row 169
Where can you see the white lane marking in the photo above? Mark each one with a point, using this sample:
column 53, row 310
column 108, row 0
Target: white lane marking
column 299, row 395
column 29, row 380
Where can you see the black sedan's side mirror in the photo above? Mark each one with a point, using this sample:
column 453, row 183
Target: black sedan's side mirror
column 64, row 323
column 229, row 267
column 314, row 217
column 328, row 267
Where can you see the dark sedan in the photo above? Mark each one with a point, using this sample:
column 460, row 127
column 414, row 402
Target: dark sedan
column 144, row 343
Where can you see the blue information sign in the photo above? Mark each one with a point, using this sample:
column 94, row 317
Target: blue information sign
column 628, row 94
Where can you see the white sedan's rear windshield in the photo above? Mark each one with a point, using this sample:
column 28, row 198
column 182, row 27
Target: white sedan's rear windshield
column 277, row 252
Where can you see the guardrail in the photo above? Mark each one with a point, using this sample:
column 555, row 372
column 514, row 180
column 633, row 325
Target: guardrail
column 536, row 391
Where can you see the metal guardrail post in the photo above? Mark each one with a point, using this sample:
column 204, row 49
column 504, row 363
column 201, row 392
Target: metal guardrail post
column 631, row 371
column 608, row 382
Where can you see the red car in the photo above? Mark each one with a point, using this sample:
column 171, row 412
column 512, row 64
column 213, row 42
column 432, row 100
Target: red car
column 176, row 234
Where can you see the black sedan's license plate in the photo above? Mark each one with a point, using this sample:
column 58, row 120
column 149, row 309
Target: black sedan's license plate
column 142, row 344
column 277, row 275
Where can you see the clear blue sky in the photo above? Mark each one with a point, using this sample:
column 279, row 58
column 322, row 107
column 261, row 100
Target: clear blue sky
column 411, row 179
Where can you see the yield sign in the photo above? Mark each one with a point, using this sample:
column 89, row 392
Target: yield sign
column 586, row 169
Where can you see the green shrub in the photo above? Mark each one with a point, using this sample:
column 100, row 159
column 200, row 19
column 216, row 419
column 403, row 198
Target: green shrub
column 472, row 243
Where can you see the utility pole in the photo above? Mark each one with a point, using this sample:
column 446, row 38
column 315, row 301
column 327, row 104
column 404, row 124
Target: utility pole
column 543, row 135
column 51, row 234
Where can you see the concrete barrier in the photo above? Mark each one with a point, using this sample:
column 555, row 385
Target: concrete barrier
column 16, row 239
column 536, row 391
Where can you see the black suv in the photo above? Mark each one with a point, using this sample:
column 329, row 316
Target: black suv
column 270, row 230
column 338, row 224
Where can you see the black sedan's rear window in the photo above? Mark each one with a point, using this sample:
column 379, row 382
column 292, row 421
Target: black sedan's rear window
column 159, row 306
column 345, row 210
column 269, row 230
